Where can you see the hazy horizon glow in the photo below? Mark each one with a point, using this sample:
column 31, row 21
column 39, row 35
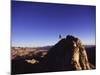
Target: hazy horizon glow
column 39, row 24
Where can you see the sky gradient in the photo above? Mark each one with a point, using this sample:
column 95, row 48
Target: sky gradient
column 39, row 24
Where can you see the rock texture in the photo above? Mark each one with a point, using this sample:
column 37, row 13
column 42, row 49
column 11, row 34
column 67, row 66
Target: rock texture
column 67, row 55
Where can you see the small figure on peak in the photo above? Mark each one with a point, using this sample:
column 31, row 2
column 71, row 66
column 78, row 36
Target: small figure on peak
column 60, row 36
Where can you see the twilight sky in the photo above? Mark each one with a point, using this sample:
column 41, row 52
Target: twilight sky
column 39, row 24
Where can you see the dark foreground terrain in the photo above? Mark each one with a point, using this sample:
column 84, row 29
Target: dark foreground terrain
column 49, row 59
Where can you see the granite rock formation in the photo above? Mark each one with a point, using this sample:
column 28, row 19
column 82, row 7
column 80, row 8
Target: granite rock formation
column 67, row 55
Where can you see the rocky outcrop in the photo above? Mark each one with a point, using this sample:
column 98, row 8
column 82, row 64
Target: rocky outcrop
column 68, row 54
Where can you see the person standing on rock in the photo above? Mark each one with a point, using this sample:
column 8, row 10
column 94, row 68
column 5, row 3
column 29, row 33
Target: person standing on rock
column 60, row 36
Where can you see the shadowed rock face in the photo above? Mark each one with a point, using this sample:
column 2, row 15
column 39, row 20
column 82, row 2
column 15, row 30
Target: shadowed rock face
column 67, row 55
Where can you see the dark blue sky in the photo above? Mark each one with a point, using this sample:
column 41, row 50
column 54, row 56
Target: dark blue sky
column 39, row 24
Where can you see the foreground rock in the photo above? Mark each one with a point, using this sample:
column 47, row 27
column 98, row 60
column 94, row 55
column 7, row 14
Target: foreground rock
column 67, row 55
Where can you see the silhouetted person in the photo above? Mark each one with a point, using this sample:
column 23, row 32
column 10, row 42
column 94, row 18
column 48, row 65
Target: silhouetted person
column 60, row 36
